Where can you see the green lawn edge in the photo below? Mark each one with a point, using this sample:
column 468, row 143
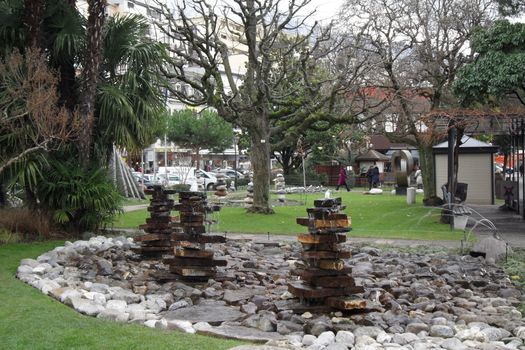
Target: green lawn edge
column 32, row 320
column 385, row 216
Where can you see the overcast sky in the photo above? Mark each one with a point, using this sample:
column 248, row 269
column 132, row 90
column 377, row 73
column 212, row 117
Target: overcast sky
column 325, row 9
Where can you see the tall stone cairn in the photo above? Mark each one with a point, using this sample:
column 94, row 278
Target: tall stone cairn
column 191, row 260
column 280, row 187
column 324, row 276
column 159, row 226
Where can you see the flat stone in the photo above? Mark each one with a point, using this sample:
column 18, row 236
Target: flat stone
column 181, row 325
column 213, row 314
column 239, row 333
column 257, row 347
column 113, row 315
column 441, row 331
column 86, row 306
column 233, row 296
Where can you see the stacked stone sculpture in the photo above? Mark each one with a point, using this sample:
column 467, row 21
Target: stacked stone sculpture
column 280, row 187
column 192, row 261
column 159, row 226
column 249, row 192
column 324, row 276
column 220, row 188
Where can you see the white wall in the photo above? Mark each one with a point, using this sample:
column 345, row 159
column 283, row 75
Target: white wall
column 475, row 170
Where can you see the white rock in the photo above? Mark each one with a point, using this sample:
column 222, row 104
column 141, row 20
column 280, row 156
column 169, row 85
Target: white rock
column 42, row 268
column 308, row 339
column 181, row 325
column 27, row 277
column 520, row 332
column 23, row 269
column 161, row 324
column 383, row 338
column 86, row 307
column 452, row 344
column 113, row 315
column 47, row 286
column 325, row 339
column 66, row 296
column 98, row 298
column 201, row 326
column 294, row 339
column 346, row 338
column 404, row 338
column 364, row 340
column 117, row 305
column 307, row 315
column 29, row 262
column 117, row 293
column 472, row 334
column 150, row 323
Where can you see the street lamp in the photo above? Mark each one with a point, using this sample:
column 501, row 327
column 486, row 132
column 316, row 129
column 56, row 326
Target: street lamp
column 235, row 142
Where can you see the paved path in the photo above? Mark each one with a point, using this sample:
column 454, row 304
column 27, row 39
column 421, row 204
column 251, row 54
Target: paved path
column 134, row 207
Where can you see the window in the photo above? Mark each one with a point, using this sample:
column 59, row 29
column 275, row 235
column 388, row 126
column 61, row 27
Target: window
column 153, row 13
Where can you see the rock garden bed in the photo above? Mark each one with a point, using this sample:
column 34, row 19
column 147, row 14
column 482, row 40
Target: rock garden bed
column 415, row 301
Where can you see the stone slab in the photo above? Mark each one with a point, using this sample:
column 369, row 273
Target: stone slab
column 233, row 296
column 213, row 314
column 239, row 333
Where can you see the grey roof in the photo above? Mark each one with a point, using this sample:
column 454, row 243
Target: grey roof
column 372, row 155
column 468, row 142
column 469, row 145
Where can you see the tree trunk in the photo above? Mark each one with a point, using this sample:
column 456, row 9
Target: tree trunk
column 33, row 18
column 260, row 158
column 426, row 163
column 3, row 195
column 96, row 10
column 196, row 150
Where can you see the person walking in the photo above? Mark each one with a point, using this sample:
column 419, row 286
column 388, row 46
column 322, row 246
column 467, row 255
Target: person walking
column 341, row 180
column 375, row 177
column 370, row 175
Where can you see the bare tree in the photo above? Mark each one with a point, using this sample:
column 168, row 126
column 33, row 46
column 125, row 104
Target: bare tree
column 30, row 119
column 295, row 77
column 418, row 47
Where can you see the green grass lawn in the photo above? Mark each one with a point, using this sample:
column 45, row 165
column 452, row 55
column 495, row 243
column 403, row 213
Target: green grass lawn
column 381, row 216
column 31, row 320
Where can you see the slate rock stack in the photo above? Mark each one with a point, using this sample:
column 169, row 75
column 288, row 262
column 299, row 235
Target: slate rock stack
column 220, row 188
column 324, row 277
column 280, row 187
column 159, row 226
column 191, row 260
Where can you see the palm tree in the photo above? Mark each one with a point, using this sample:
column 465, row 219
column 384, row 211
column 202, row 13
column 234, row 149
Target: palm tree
column 90, row 74
column 130, row 104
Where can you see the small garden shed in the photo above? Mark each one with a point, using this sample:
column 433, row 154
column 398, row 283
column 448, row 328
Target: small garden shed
column 476, row 168
column 371, row 157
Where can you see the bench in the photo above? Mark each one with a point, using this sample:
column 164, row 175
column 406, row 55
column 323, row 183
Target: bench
column 459, row 210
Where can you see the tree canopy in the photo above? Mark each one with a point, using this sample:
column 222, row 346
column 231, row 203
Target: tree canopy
column 280, row 87
column 497, row 70
column 205, row 130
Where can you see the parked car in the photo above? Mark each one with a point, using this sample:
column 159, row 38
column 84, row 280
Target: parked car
column 169, row 180
column 229, row 173
column 188, row 175
column 143, row 179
